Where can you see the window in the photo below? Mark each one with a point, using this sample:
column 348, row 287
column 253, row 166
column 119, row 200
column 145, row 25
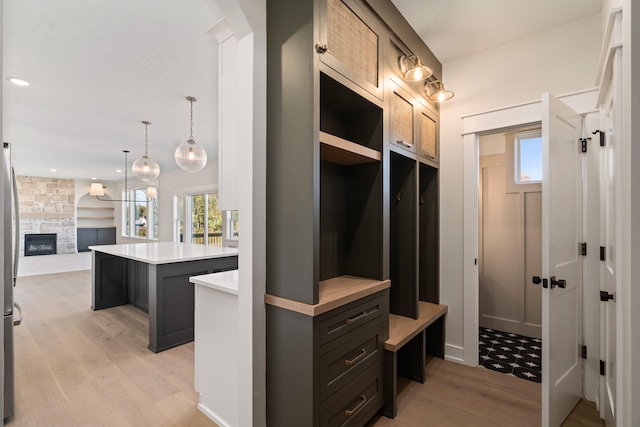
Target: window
column 528, row 168
column 198, row 215
column 140, row 215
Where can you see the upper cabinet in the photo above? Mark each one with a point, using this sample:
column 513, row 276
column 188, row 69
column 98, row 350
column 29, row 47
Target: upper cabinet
column 350, row 43
column 428, row 148
column 402, row 121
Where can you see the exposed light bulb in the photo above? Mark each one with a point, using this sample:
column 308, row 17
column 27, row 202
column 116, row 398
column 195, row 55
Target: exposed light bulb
column 441, row 97
column 191, row 154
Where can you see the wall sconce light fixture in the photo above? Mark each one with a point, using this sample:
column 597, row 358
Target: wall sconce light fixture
column 436, row 91
column 412, row 69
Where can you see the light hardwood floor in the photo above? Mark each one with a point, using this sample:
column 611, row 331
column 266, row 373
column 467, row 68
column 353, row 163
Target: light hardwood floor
column 77, row 367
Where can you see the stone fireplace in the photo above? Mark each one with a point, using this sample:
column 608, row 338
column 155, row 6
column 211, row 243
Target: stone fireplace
column 47, row 206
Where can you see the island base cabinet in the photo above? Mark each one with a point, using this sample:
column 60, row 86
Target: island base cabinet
column 326, row 370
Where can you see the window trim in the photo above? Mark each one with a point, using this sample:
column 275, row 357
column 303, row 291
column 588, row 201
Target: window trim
column 518, row 137
column 129, row 217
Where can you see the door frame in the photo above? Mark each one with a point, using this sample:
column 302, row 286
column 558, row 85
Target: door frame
column 474, row 126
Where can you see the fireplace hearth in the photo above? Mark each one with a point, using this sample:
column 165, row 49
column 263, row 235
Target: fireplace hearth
column 40, row 244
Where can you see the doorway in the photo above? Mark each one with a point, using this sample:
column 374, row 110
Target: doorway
column 510, row 252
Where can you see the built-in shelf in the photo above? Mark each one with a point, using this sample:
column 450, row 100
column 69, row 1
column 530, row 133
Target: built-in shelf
column 337, row 150
column 334, row 293
column 402, row 329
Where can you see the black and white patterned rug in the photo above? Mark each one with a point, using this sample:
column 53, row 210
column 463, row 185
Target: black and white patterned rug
column 511, row 354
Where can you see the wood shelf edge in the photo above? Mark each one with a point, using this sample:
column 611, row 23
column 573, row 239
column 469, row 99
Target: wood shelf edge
column 402, row 329
column 342, row 151
column 334, row 293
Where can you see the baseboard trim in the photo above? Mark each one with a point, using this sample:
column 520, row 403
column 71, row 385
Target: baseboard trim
column 213, row 417
column 454, row 353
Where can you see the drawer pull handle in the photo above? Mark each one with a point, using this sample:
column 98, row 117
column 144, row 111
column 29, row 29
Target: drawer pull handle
column 405, row 143
column 356, row 359
column 356, row 318
column 350, row 412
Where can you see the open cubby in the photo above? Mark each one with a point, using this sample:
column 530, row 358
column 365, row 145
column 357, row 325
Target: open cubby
column 350, row 220
column 347, row 115
column 428, row 234
column 402, row 238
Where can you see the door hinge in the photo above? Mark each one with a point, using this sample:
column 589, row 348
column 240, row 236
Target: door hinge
column 583, row 249
column 583, row 142
column 605, row 296
column 602, row 141
column 603, row 369
column 603, row 253
column 584, row 351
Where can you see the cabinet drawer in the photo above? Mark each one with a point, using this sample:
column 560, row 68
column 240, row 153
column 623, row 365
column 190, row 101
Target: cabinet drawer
column 350, row 318
column 350, row 357
column 358, row 403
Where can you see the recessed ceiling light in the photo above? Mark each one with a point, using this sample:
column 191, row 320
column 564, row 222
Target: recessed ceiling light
column 119, row 170
column 54, row 170
column 93, row 178
column 18, row 82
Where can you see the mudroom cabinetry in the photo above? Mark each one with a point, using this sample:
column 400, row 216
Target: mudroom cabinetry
column 351, row 213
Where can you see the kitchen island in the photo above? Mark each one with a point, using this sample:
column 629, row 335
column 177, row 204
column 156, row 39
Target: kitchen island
column 154, row 277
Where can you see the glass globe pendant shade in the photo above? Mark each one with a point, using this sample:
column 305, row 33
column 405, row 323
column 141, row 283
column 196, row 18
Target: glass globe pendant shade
column 145, row 169
column 190, row 156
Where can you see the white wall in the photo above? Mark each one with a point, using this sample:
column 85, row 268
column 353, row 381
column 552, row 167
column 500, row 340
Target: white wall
column 559, row 61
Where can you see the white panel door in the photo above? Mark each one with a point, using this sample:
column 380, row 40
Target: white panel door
column 610, row 190
column 561, row 260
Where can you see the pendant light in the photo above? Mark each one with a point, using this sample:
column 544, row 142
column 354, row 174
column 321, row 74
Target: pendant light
column 97, row 189
column 190, row 156
column 144, row 168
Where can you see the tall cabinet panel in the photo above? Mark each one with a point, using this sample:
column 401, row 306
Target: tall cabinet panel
column 345, row 145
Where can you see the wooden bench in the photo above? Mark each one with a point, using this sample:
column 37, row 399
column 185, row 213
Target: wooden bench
column 410, row 334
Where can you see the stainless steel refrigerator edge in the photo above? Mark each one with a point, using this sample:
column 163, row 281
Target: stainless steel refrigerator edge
column 11, row 233
column 2, row 230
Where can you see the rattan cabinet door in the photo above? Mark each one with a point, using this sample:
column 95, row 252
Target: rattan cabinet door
column 428, row 147
column 402, row 118
column 350, row 43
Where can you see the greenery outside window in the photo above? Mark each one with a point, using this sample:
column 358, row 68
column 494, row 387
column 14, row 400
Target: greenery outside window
column 140, row 215
column 198, row 220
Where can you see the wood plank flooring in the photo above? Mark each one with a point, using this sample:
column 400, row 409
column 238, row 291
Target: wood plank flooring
column 455, row 395
column 77, row 367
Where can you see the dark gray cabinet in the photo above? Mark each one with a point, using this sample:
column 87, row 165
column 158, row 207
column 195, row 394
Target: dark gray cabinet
column 345, row 346
column 95, row 236
column 352, row 188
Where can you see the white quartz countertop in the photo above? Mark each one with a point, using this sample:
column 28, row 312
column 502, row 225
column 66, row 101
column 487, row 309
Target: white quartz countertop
column 165, row 252
column 224, row 281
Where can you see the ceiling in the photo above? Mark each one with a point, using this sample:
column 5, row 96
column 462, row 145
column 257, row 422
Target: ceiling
column 97, row 68
column 454, row 29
